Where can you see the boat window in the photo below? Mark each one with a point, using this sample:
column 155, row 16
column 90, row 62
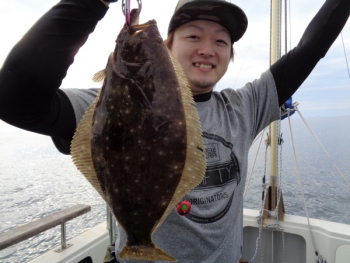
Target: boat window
column 86, row 260
column 343, row 254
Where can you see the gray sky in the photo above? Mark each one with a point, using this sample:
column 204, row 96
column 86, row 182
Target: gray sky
column 325, row 92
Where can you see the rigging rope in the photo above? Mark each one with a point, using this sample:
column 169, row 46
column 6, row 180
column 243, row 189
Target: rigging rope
column 276, row 226
column 256, row 156
column 336, row 167
column 257, row 137
column 274, row 214
column 279, row 193
column 290, row 28
column 259, row 218
column 346, row 59
column 285, row 27
column 301, row 185
column 271, row 226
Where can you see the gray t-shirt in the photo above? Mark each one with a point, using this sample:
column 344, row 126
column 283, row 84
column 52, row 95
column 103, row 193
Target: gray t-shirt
column 213, row 230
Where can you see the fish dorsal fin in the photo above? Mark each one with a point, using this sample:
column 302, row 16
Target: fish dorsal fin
column 99, row 76
column 195, row 164
column 81, row 148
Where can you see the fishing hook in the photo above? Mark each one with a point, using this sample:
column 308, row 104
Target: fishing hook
column 126, row 10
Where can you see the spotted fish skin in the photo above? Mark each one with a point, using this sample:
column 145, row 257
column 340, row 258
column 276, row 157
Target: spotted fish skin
column 140, row 142
column 139, row 132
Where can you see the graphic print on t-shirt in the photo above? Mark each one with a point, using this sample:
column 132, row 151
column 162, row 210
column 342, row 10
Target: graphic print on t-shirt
column 218, row 185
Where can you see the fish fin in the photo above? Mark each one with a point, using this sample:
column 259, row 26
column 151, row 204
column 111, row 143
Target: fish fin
column 81, row 148
column 99, row 76
column 145, row 253
column 195, row 164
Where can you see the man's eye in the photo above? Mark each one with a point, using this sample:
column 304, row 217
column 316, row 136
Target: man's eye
column 193, row 37
column 221, row 41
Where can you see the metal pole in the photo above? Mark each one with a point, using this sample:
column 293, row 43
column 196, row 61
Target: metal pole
column 63, row 236
column 272, row 257
column 276, row 9
column 111, row 225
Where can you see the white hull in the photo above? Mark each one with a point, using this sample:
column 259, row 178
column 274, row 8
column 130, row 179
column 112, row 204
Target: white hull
column 91, row 244
column 332, row 242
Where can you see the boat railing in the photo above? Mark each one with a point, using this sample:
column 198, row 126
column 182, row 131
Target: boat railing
column 111, row 226
column 16, row 235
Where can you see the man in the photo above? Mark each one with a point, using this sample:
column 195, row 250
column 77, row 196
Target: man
column 201, row 35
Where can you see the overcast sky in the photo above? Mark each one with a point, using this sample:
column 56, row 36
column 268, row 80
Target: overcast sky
column 325, row 92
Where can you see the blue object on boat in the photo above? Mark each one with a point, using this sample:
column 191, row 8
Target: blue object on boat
column 287, row 108
column 289, row 103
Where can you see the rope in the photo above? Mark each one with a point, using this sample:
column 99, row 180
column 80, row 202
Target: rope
column 270, row 226
column 285, row 27
column 336, row 167
column 283, row 245
column 346, row 59
column 257, row 137
column 290, row 28
column 256, row 157
column 259, row 218
column 301, row 185
column 279, row 171
column 279, row 193
column 273, row 227
column 258, row 239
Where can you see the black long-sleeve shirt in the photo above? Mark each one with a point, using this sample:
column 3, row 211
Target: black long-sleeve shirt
column 30, row 78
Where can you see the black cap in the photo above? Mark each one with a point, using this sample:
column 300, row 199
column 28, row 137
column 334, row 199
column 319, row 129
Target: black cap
column 224, row 13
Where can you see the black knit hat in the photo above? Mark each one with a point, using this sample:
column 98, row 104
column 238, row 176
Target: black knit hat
column 224, row 13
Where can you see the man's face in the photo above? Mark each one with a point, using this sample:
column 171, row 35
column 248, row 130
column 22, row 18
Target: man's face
column 203, row 49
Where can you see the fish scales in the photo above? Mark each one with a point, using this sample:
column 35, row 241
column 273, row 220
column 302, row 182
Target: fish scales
column 141, row 138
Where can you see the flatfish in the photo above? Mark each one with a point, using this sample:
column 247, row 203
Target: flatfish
column 140, row 142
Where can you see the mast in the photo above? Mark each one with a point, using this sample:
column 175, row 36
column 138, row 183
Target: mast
column 275, row 53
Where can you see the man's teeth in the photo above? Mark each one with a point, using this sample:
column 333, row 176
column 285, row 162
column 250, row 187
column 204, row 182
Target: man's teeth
column 198, row 65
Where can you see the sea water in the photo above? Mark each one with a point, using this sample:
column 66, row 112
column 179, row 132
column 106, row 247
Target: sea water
column 36, row 180
column 326, row 192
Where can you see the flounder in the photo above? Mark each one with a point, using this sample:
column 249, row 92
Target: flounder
column 140, row 142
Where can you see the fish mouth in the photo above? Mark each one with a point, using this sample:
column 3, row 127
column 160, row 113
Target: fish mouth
column 203, row 65
column 140, row 28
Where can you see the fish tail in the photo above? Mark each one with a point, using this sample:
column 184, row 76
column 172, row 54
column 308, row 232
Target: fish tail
column 145, row 253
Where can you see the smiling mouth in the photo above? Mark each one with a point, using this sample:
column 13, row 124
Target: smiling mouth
column 199, row 65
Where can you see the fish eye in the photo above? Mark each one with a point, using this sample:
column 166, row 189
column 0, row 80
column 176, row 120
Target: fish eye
column 143, row 35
